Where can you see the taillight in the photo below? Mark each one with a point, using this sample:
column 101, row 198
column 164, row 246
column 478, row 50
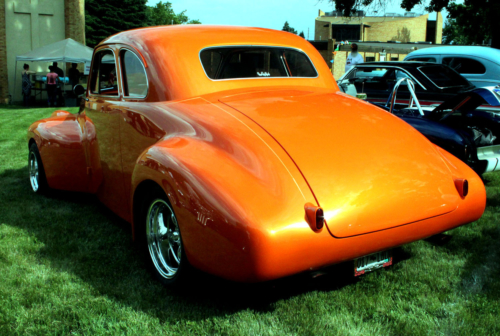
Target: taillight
column 462, row 186
column 314, row 216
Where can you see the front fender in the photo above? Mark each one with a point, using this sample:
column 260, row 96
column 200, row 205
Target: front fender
column 59, row 139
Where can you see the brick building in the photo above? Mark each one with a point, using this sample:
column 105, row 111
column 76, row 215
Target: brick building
column 29, row 24
column 395, row 35
column 409, row 27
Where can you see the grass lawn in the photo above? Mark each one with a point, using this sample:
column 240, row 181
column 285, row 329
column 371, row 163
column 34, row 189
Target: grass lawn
column 68, row 266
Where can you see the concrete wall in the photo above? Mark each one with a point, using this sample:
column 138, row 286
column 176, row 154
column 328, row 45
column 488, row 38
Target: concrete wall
column 389, row 30
column 321, row 32
column 439, row 28
column 30, row 25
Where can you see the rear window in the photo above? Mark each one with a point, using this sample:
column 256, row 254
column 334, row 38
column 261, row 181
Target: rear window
column 255, row 62
column 443, row 77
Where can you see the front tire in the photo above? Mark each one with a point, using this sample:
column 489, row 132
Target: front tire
column 162, row 240
column 37, row 177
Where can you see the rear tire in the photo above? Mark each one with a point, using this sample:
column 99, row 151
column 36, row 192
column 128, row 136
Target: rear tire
column 37, row 178
column 161, row 239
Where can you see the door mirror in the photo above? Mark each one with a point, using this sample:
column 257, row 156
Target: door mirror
column 79, row 90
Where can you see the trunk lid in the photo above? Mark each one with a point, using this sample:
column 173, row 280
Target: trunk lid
column 368, row 169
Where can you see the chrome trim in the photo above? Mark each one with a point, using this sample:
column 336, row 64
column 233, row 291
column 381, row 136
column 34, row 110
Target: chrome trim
column 118, row 70
column 143, row 67
column 33, row 172
column 254, row 46
column 392, row 67
column 411, row 88
column 163, row 239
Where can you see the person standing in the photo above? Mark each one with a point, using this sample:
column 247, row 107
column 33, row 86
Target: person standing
column 26, row 84
column 74, row 75
column 353, row 58
column 52, row 80
column 60, row 76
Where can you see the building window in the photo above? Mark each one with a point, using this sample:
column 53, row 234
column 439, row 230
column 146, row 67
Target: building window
column 370, row 59
column 346, row 32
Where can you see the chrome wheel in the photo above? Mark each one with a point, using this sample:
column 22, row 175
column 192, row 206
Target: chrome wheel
column 163, row 239
column 33, row 171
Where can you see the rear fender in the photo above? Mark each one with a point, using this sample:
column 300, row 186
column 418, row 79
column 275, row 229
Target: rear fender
column 228, row 215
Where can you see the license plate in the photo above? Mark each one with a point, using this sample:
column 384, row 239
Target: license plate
column 372, row 262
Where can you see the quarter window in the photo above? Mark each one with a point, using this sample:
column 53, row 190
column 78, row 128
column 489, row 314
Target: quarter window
column 423, row 59
column 103, row 80
column 135, row 82
column 465, row 65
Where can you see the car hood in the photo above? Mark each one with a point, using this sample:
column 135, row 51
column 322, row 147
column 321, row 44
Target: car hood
column 470, row 100
column 368, row 169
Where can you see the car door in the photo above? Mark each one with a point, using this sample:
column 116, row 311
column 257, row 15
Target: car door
column 104, row 115
column 138, row 130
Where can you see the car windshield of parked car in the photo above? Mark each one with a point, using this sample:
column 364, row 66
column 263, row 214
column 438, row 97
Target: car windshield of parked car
column 443, row 76
column 255, row 62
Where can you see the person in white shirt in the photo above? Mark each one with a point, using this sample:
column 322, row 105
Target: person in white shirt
column 353, row 58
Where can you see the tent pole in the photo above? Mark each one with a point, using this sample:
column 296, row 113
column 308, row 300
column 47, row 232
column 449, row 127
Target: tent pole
column 15, row 83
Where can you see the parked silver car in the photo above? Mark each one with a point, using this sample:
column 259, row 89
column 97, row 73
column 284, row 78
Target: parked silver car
column 480, row 65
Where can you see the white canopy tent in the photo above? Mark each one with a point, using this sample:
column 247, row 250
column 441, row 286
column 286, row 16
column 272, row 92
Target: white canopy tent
column 66, row 51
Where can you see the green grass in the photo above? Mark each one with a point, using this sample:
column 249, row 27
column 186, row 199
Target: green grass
column 68, row 266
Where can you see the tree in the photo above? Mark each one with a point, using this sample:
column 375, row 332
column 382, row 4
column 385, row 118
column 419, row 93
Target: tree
column 467, row 25
column 105, row 18
column 163, row 14
column 474, row 11
column 287, row 28
column 302, row 34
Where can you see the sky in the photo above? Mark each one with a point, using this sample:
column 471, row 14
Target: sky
column 300, row 14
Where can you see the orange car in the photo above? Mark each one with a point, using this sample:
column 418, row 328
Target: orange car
column 231, row 149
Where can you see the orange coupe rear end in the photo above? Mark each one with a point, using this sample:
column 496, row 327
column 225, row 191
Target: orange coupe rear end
column 231, row 150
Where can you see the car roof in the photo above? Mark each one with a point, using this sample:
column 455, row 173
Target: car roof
column 488, row 53
column 402, row 64
column 171, row 54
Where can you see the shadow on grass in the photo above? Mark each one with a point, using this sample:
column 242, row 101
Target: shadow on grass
column 82, row 237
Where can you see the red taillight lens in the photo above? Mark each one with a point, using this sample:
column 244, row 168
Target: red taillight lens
column 320, row 219
column 314, row 216
column 462, row 186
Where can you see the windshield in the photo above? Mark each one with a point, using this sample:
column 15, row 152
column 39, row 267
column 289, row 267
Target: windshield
column 443, row 76
column 255, row 62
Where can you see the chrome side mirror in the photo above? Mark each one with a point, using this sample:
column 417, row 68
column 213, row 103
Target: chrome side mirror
column 78, row 90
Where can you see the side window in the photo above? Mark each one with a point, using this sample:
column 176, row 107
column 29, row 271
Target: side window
column 103, row 80
column 464, row 65
column 423, row 59
column 135, row 81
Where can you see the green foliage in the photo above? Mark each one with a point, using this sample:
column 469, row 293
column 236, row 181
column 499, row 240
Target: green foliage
column 302, row 34
column 68, row 267
column 105, row 18
column 163, row 14
column 467, row 24
column 474, row 21
column 287, row 28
